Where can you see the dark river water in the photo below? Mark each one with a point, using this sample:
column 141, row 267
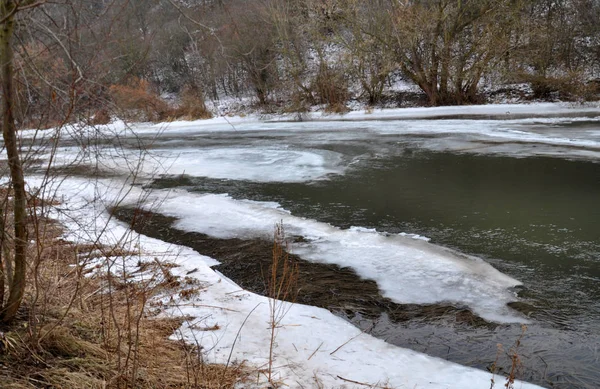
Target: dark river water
column 536, row 219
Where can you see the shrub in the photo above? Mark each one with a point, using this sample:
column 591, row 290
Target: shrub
column 564, row 87
column 137, row 102
column 331, row 89
column 192, row 106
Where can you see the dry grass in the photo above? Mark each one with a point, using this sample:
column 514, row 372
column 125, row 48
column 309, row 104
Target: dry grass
column 192, row 107
column 514, row 360
column 80, row 327
column 137, row 101
column 282, row 286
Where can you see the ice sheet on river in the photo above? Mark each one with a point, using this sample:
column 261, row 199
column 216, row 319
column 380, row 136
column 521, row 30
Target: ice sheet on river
column 407, row 270
column 302, row 152
column 264, row 164
column 259, row 164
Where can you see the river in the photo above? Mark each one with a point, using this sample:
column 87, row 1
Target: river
column 521, row 194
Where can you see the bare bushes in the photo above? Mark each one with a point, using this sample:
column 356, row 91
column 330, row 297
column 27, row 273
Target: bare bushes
column 331, row 88
column 137, row 101
column 568, row 87
column 37, row 102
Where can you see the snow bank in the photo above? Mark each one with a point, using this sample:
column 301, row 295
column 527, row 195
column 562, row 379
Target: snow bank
column 506, row 110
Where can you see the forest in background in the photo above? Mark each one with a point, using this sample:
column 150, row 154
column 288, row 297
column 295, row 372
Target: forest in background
column 163, row 59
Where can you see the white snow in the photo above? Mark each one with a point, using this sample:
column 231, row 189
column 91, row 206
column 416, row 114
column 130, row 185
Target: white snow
column 276, row 150
column 257, row 122
column 254, row 150
column 259, row 164
column 312, row 347
column 479, row 110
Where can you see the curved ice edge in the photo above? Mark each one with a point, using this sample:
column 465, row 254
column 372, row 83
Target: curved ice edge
column 308, row 328
column 473, row 265
column 472, row 262
column 406, row 270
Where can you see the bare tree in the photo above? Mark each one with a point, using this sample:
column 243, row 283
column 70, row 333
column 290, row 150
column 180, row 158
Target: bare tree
column 47, row 80
column 446, row 46
column 10, row 10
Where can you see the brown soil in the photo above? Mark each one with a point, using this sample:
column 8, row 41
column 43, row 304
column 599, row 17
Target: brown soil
column 338, row 289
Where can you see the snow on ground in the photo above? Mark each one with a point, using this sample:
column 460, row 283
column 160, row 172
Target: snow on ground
column 506, row 110
column 233, row 123
column 313, row 348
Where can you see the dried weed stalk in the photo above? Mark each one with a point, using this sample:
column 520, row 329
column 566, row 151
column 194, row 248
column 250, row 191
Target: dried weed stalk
column 282, row 287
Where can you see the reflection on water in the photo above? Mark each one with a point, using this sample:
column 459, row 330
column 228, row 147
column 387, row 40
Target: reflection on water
column 533, row 218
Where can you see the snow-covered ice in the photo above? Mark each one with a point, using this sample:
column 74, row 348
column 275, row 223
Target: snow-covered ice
column 500, row 112
column 259, row 164
column 280, row 151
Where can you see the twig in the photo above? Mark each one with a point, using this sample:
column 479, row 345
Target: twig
column 314, row 352
column 232, row 126
column 237, row 336
column 237, row 291
column 354, row 382
column 351, row 339
column 362, row 383
column 202, row 305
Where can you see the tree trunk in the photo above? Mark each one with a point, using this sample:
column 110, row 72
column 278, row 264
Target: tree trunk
column 2, row 267
column 9, row 132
